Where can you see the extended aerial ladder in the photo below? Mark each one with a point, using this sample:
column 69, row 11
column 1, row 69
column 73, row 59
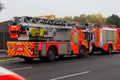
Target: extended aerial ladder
column 32, row 28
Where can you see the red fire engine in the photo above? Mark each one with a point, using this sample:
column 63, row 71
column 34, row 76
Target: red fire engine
column 46, row 38
column 106, row 39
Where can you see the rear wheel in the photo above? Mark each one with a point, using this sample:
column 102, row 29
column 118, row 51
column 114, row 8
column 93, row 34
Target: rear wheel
column 61, row 56
column 109, row 49
column 51, row 54
column 27, row 59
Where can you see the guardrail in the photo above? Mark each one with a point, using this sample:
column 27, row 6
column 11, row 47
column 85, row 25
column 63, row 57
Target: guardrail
column 2, row 53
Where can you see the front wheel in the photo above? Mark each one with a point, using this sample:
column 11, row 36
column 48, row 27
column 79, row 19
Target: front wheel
column 82, row 52
column 51, row 54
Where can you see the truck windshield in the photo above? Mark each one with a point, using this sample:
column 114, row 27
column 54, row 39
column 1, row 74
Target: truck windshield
column 87, row 36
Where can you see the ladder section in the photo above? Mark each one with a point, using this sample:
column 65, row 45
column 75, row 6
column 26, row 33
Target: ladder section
column 32, row 28
column 43, row 23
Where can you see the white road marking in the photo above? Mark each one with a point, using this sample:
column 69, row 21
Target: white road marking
column 23, row 68
column 62, row 77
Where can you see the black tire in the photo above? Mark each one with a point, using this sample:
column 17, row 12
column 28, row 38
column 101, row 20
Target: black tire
column 61, row 56
column 91, row 51
column 82, row 52
column 103, row 52
column 51, row 54
column 109, row 49
column 27, row 59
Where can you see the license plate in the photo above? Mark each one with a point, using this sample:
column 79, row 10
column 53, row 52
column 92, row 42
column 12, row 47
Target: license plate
column 18, row 43
column 20, row 49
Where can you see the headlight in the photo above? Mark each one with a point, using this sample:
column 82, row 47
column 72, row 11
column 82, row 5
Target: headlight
column 28, row 47
column 9, row 47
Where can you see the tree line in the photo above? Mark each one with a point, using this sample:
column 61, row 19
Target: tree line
column 91, row 18
column 113, row 20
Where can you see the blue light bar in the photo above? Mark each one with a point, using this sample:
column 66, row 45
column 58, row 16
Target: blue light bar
column 25, row 24
column 87, row 29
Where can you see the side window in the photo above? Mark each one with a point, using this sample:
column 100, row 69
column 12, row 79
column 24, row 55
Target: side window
column 76, row 37
column 107, row 37
column 104, row 36
column 115, row 36
column 91, row 36
column 85, row 36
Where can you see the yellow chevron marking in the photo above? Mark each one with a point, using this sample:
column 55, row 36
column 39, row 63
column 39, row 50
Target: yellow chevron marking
column 12, row 54
column 10, row 51
column 97, row 36
column 23, row 53
column 26, row 51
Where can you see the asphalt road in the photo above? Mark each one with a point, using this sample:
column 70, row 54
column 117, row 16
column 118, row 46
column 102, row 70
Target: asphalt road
column 96, row 67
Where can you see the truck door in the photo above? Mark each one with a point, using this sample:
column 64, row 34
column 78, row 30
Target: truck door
column 87, row 36
column 118, row 39
column 118, row 36
column 75, row 41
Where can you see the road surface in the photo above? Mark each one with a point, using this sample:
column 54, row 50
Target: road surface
column 95, row 67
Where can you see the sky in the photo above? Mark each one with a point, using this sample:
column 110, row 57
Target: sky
column 60, row 8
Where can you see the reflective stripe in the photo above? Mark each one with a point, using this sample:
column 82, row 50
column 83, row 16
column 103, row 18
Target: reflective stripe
column 24, row 52
column 97, row 37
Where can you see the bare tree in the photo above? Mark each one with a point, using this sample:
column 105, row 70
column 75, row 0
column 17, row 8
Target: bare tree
column 1, row 6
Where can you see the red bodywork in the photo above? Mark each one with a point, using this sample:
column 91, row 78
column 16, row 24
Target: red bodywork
column 118, row 39
column 26, row 49
column 73, row 46
column 115, row 45
column 21, row 48
column 13, row 30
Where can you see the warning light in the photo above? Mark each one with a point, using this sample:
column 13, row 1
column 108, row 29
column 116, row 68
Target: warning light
column 25, row 24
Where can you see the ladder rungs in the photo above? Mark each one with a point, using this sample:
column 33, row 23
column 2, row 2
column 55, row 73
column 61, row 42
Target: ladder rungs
column 39, row 22
column 45, row 26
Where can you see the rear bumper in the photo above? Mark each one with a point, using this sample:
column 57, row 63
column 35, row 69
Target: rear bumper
column 20, row 54
column 25, row 49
